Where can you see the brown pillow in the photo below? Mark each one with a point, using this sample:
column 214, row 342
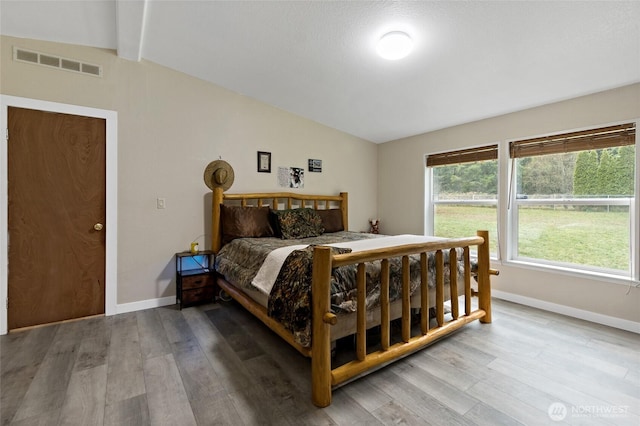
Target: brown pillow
column 331, row 220
column 244, row 222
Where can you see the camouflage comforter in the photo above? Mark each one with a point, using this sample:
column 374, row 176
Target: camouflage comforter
column 290, row 298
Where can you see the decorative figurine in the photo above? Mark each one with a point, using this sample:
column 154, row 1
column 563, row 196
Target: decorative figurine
column 375, row 226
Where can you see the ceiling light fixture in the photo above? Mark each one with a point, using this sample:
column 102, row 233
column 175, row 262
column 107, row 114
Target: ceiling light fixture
column 395, row 45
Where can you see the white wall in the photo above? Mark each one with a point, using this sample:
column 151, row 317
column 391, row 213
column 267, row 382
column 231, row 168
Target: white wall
column 170, row 127
column 401, row 199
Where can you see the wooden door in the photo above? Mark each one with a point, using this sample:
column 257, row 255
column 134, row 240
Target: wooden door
column 56, row 197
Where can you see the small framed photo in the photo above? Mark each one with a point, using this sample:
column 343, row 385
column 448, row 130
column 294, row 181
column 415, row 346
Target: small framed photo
column 315, row 165
column 264, row 162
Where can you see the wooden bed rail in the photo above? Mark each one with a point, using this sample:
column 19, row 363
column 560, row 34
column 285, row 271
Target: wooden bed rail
column 323, row 377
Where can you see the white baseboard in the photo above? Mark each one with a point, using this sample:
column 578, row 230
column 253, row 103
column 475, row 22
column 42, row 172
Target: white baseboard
column 620, row 323
column 145, row 304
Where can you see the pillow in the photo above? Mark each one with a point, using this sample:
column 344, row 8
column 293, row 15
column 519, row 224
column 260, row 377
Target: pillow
column 244, row 222
column 331, row 220
column 273, row 220
column 299, row 223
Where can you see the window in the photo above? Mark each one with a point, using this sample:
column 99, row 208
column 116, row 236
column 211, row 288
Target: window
column 464, row 193
column 572, row 199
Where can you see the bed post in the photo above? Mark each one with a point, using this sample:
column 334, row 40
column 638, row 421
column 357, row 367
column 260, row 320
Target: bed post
column 484, row 282
column 321, row 328
column 216, row 232
column 344, row 207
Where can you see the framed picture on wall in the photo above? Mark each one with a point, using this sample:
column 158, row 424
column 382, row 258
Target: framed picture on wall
column 264, row 162
column 315, row 165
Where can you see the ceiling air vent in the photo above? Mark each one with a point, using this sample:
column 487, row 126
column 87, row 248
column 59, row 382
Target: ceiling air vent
column 51, row 61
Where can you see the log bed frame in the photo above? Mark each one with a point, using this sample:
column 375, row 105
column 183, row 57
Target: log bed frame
column 323, row 378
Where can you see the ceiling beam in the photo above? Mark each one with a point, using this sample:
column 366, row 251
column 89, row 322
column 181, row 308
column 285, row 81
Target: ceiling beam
column 130, row 16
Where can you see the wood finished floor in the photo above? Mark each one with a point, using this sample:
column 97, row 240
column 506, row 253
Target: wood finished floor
column 216, row 364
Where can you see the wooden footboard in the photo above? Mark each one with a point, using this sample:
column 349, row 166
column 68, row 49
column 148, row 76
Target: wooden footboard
column 323, row 377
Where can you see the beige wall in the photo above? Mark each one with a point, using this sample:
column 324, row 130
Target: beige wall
column 170, row 126
column 401, row 199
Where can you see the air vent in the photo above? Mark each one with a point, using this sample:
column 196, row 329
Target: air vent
column 51, row 61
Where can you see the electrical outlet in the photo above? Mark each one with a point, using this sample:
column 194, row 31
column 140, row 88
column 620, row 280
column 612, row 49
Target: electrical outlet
column 161, row 203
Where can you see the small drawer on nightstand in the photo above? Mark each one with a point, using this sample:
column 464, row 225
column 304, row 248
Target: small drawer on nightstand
column 197, row 295
column 197, row 281
column 195, row 278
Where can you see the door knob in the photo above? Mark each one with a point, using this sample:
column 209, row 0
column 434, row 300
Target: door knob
column 98, row 227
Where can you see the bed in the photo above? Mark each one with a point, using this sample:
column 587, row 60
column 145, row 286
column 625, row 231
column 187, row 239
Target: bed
column 290, row 260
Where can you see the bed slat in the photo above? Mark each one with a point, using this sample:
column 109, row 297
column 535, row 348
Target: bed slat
column 467, row 281
column 385, row 335
column 406, row 300
column 361, row 335
column 439, row 288
column 453, row 282
column 424, row 294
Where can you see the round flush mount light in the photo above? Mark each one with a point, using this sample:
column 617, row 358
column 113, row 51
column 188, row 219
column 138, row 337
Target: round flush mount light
column 395, row 45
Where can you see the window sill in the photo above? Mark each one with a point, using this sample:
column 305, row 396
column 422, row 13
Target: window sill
column 574, row 272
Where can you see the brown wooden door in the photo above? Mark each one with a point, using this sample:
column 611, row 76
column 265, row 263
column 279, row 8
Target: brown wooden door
column 56, row 195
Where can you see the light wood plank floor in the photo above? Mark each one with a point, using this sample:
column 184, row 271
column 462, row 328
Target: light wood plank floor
column 216, row 364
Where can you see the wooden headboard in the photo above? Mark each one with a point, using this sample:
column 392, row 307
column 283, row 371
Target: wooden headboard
column 275, row 200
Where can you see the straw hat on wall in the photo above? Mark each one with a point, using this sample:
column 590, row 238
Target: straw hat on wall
column 219, row 173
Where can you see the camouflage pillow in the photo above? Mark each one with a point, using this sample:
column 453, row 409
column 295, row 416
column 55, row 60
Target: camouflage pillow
column 299, row 223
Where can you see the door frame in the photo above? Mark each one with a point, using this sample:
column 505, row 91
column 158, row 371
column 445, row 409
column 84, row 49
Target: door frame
column 111, row 228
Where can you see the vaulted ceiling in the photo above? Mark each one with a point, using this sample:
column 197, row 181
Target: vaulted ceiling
column 317, row 59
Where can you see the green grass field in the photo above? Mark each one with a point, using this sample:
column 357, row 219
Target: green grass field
column 599, row 239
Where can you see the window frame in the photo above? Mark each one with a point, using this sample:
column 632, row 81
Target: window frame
column 470, row 155
column 512, row 228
